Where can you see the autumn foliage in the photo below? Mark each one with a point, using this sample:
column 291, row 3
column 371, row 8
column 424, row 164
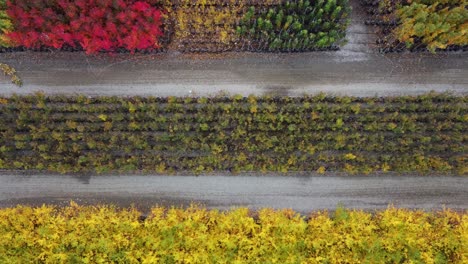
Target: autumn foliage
column 88, row 234
column 436, row 24
column 103, row 25
column 5, row 24
column 320, row 134
column 418, row 25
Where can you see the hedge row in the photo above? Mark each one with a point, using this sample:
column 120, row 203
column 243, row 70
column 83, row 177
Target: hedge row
column 195, row 25
column 422, row 25
column 274, row 25
column 201, row 25
column 423, row 134
column 79, row 234
column 433, row 25
column 297, row 26
column 94, row 26
column 5, row 24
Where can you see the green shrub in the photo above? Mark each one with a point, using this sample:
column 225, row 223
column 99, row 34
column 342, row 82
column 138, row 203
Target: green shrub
column 296, row 25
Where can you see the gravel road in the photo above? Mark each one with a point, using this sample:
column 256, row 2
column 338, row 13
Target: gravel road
column 344, row 72
column 357, row 69
column 300, row 193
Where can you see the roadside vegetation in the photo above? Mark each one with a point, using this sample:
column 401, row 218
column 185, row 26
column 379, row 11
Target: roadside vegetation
column 9, row 71
column 86, row 234
column 411, row 134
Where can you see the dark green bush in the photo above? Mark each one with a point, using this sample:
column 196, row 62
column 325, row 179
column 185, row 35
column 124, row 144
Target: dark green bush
column 296, row 25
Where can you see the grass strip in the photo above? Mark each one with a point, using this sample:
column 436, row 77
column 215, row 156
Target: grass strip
column 104, row 234
column 409, row 134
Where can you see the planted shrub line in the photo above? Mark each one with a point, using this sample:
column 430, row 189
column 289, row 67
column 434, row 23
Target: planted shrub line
column 297, row 26
column 109, row 25
column 164, row 137
column 315, row 133
column 419, row 26
column 427, row 99
column 196, row 235
column 197, row 3
column 215, row 26
column 61, row 103
column 150, row 26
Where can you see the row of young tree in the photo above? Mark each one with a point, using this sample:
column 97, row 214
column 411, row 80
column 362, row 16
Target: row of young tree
column 435, row 24
column 222, row 25
column 421, row 24
column 296, row 25
column 119, row 25
column 111, row 234
column 167, row 135
column 87, row 24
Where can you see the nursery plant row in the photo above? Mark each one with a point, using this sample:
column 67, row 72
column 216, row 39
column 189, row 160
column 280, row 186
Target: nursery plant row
column 419, row 25
column 421, row 134
column 87, row 234
column 132, row 25
column 217, row 25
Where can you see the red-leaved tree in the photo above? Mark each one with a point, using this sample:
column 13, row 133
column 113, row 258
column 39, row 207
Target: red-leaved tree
column 95, row 25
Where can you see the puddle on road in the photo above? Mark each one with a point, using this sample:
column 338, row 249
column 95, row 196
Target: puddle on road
column 277, row 90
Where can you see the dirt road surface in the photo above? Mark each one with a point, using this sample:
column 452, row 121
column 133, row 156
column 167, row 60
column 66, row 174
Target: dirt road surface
column 343, row 72
column 300, row 193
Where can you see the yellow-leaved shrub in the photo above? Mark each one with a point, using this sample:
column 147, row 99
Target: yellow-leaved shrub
column 104, row 234
column 9, row 71
column 436, row 24
column 208, row 25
